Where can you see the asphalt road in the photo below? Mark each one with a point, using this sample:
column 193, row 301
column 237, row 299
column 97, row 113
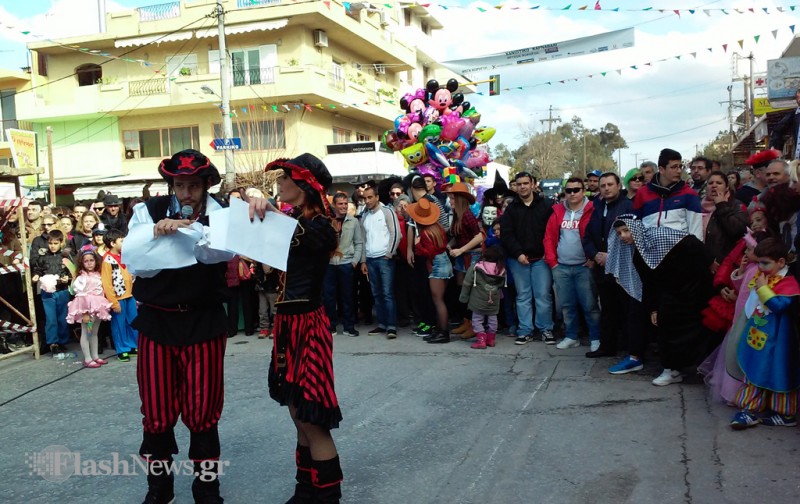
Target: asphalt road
column 422, row 424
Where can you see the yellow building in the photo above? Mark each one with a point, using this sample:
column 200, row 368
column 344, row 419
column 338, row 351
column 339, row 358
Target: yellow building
column 304, row 75
column 11, row 83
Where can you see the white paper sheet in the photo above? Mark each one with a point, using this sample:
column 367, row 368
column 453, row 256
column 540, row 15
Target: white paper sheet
column 142, row 252
column 264, row 241
column 218, row 229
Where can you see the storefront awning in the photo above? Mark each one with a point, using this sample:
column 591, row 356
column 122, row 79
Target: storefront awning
column 273, row 24
column 153, row 39
column 347, row 162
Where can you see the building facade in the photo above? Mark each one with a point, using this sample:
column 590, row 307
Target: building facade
column 303, row 75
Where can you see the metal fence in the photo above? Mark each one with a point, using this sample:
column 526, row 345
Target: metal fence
column 147, row 87
column 159, row 12
column 243, row 4
column 252, row 76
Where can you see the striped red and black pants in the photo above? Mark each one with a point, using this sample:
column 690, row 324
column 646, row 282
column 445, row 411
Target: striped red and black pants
column 185, row 381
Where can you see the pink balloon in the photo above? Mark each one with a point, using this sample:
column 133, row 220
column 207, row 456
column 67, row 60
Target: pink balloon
column 466, row 129
column 451, row 126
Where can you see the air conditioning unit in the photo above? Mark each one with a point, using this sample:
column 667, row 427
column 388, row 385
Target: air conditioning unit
column 320, row 38
column 380, row 68
column 131, row 154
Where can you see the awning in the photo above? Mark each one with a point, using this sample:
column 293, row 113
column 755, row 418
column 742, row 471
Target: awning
column 273, row 24
column 153, row 39
column 378, row 165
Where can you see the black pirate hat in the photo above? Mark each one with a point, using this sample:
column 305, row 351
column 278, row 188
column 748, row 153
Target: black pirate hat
column 187, row 163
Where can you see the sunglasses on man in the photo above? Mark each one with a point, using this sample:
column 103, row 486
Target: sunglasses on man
column 573, row 190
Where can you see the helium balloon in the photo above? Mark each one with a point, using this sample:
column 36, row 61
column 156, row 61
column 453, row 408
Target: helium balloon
column 484, row 134
column 435, row 155
column 451, row 126
column 430, row 133
column 414, row 154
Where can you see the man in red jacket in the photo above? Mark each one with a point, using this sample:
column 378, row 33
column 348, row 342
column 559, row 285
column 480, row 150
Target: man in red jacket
column 572, row 271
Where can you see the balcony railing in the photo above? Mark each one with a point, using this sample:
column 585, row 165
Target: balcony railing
column 159, row 12
column 253, row 76
column 243, row 4
column 147, row 87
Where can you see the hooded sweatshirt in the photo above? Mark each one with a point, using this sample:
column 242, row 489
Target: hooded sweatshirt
column 564, row 233
column 481, row 289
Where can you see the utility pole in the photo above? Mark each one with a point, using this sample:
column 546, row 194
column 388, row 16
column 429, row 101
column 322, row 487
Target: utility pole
column 224, row 79
column 550, row 120
column 636, row 159
column 751, row 93
column 730, row 121
column 51, row 175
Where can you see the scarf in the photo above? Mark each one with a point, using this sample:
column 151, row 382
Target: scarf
column 652, row 243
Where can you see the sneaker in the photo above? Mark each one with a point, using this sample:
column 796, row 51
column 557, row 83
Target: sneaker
column 376, row 331
column 548, row 338
column 594, row 346
column 568, row 343
column 352, row 333
column 743, row 420
column 522, row 340
column 391, row 334
column 425, row 331
column 626, row 365
column 124, row 357
column 133, row 351
column 334, row 331
column 417, row 329
column 668, row 377
column 778, row 420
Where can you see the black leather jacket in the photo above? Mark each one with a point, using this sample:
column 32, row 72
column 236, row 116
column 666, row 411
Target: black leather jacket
column 309, row 255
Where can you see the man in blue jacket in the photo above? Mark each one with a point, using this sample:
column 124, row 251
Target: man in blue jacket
column 620, row 311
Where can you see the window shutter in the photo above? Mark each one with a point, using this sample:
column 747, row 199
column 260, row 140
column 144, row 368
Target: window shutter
column 213, row 62
column 268, row 59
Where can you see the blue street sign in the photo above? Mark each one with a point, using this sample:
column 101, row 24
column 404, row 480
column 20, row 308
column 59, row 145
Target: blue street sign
column 227, row 144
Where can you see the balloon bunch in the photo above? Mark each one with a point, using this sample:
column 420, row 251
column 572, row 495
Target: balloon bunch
column 439, row 134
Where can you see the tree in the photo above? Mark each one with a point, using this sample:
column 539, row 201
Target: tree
column 544, row 155
column 720, row 149
column 502, row 154
column 590, row 149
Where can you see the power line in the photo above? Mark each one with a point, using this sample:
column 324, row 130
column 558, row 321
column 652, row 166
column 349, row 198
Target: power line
column 677, row 132
column 108, row 60
column 107, row 113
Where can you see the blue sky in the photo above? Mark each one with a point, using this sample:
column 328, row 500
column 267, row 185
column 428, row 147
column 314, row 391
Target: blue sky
column 672, row 103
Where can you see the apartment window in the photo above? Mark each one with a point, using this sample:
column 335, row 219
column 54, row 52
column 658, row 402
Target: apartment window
column 182, row 64
column 160, row 142
column 41, row 64
column 363, row 137
column 337, row 75
column 407, row 17
column 89, row 74
column 254, row 65
column 341, row 135
column 257, row 135
column 426, row 29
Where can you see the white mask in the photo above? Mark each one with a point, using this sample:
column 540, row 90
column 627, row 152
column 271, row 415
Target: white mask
column 489, row 215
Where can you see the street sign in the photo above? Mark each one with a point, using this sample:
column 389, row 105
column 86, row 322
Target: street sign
column 227, row 144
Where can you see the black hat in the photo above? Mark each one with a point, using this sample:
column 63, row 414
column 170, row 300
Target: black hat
column 309, row 173
column 362, row 180
column 99, row 229
column 189, row 162
column 111, row 200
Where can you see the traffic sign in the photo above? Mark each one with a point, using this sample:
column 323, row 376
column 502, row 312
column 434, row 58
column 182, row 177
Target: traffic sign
column 227, row 144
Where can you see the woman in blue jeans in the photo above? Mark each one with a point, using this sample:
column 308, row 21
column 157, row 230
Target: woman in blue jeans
column 431, row 244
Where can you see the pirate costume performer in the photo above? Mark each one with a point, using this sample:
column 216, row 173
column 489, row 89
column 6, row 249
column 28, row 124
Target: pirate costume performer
column 301, row 371
column 182, row 325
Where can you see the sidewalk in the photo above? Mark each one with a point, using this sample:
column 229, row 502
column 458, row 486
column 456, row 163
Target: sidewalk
column 422, row 424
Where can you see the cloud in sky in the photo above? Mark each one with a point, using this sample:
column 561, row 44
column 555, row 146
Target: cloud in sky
column 653, row 101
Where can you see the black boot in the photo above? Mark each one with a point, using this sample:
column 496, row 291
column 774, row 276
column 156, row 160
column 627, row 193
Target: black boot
column 160, row 483
column 4, row 346
column 303, row 490
column 440, row 336
column 205, row 487
column 326, row 476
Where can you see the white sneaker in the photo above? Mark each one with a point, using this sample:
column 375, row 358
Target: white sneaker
column 595, row 346
column 568, row 343
column 668, row 377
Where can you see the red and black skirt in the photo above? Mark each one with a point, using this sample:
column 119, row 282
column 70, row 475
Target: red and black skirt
column 301, row 371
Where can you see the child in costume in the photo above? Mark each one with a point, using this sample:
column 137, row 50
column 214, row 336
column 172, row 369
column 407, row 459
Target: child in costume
column 482, row 292
column 118, row 289
column 767, row 346
column 89, row 305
